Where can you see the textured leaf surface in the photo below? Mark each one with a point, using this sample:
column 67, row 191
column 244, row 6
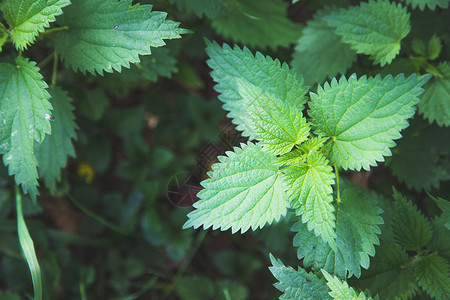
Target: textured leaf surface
column 364, row 116
column 245, row 190
column 269, row 75
column 390, row 275
column 440, row 241
column 277, row 124
column 422, row 157
column 311, row 195
column 411, row 229
column 433, row 275
column 375, row 28
column 262, row 23
column 435, row 104
column 52, row 153
column 29, row 17
column 297, row 284
column 357, row 227
column 320, row 53
column 209, row 8
column 107, row 35
column 430, row 3
column 444, row 205
column 340, row 289
column 23, row 106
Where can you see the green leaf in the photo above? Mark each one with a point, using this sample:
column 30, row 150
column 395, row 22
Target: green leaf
column 277, row 124
column 340, row 289
column 262, row 24
column 374, row 28
column 357, row 226
column 390, row 276
column 311, row 195
column 8, row 295
column 245, row 190
column 430, row 3
column 28, row 250
column 365, row 116
column 28, row 18
column 433, row 275
column 204, row 288
column 23, row 111
column 209, row 8
column 435, row 104
column 434, row 46
column 421, row 159
column 411, row 229
column 297, row 284
column 52, row 153
column 444, row 205
column 106, row 35
column 269, row 75
column 3, row 36
column 320, row 53
column 440, row 242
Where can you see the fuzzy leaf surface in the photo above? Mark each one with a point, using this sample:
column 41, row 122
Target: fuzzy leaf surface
column 299, row 284
column 435, row 104
column 340, row 289
column 374, row 28
column 278, row 125
column 320, row 53
column 390, row 276
column 209, row 8
column 108, row 35
column 23, row 106
column 269, row 75
column 52, row 153
column 357, row 227
column 433, row 275
column 245, row 190
column 262, row 23
column 364, row 116
column 430, row 3
column 30, row 17
column 311, row 195
column 444, row 205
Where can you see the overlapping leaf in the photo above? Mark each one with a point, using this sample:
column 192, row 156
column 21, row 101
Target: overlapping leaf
column 245, row 190
column 320, row 52
column 277, row 124
column 422, row 157
column 269, row 75
column 23, row 110
column 356, row 234
column 297, row 284
column 430, row 3
column 107, row 35
column 340, row 289
column 433, row 275
column 29, row 17
column 390, row 276
column 262, row 23
column 444, row 205
column 411, row 229
column 52, row 153
column 375, row 28
column 311, row 195
column 435, row 104
column 364, row 116
column 209, row 8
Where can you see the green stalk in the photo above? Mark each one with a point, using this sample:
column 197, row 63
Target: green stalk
column 27, row 245
column 338, row 189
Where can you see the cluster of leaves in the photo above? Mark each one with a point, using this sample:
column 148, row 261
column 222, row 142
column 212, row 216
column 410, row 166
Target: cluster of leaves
column 294, row 156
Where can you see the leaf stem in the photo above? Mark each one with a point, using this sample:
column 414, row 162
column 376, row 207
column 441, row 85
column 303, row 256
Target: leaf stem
column 326, row 144
column 49, row 31
column 97, row 217
column 55, row 68
column 338, row 187
column 45, row 61
column 27, row 245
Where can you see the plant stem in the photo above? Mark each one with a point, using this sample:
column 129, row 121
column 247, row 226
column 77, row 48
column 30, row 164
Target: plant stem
column 338, row 188
column 55, row 68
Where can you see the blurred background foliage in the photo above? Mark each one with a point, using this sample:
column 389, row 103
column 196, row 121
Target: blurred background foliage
column 111, row 228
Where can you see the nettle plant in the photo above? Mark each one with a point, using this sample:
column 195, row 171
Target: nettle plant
column 292, row 161
column 37, row 123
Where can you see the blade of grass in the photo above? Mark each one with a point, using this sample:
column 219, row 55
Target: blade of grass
column 27, row 245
